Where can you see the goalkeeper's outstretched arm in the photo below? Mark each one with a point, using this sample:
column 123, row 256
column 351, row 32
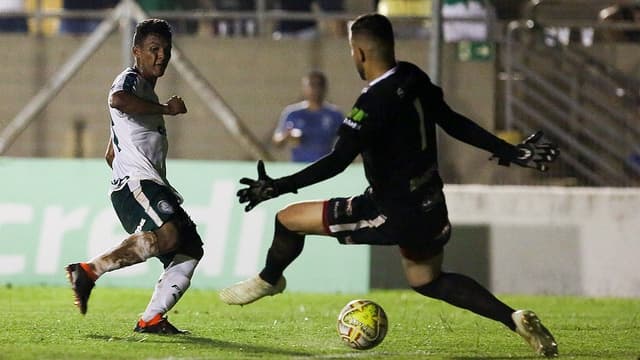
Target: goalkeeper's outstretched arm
column 532, row 152
column 265, row 188
column 332, row 164
column 466, row 130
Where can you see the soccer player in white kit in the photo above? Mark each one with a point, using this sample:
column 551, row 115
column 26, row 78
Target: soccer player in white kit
column 148, row 207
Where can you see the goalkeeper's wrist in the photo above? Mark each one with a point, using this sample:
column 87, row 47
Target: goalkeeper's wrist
column 507, row 154
column 285, row 185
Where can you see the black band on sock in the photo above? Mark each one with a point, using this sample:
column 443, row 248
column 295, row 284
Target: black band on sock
column 464, row 292
column 285, row 248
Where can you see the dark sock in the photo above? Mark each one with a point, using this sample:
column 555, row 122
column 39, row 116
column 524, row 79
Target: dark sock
column 464, row 292
column 286, row 246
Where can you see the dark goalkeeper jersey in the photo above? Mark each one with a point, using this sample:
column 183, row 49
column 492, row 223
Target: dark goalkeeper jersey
column 393, row 126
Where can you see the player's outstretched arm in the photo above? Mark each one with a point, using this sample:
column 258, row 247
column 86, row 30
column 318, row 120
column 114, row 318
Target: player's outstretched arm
column 265, row 188
column 532, row 153
column 131, row 104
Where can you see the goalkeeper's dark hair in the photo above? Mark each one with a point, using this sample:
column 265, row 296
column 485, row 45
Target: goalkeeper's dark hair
column 152, row 26
column 377, row 28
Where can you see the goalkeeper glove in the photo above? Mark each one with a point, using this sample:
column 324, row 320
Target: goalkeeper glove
column 259, row 190
column 532, row 153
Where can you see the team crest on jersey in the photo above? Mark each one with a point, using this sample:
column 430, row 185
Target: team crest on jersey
column 164, row 207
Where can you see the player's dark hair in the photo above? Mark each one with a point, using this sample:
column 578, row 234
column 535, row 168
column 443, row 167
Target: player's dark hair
column 152, row 26
column 378, row 28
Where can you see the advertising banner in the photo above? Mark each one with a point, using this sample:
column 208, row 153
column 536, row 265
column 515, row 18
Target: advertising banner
column 55, row 211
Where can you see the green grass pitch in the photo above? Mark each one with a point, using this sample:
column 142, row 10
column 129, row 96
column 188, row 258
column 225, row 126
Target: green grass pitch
column 42, row 323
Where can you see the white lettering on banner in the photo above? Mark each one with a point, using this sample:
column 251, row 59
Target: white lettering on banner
column 216, row 218
column 54, row 226
column 249, row 252
column 106, row 232
column 14, row 214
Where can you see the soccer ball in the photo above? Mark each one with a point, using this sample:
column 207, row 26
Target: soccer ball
column 362, row 324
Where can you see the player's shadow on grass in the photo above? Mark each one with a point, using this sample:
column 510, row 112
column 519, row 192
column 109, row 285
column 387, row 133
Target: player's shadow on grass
column 201, row 341
column 494, row 357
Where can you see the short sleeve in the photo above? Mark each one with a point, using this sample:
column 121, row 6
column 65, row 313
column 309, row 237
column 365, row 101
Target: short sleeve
column 127, row 81
column 285, row 116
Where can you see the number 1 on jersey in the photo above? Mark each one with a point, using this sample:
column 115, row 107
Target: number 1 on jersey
column 423, row 133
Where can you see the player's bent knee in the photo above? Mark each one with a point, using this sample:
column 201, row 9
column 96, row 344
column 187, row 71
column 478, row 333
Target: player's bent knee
column 426, row 289
column 303, row 217
column 143, row 244
column 190, row 242
column 287, row 215
column 168, row 239
column 420, row 279
column 281, row 228
column 422, row 272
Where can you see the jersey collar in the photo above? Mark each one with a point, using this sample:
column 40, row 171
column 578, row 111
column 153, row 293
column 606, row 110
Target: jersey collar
column 383, row 76
column 380, row 78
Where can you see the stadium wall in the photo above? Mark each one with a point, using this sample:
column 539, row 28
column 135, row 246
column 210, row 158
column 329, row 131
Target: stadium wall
column 524, row 240
column 541, row 240
column 256, row 77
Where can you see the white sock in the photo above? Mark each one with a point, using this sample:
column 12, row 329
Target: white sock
column 173, row 282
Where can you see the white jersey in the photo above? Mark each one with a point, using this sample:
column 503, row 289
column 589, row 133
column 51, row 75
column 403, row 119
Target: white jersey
column 139, row 141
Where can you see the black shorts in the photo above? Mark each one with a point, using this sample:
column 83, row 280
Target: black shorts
column 420, row 231
column 149, row 206
column 145, row 205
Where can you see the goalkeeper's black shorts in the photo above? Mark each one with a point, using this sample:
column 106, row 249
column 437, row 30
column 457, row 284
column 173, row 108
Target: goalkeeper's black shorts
column 358, row 220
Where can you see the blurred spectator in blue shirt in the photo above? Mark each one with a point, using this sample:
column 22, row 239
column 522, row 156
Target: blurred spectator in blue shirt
column 12, row 23
column 309, row 126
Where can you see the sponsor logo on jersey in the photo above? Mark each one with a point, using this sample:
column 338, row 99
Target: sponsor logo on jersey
column 117, row 183
column 352, row 124
column 357, row 115
column 140, row 225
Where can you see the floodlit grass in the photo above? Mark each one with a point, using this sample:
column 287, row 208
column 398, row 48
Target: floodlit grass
column 42, row 323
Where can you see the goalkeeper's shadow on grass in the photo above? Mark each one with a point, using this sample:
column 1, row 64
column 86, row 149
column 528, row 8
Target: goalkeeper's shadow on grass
column 200, row 341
